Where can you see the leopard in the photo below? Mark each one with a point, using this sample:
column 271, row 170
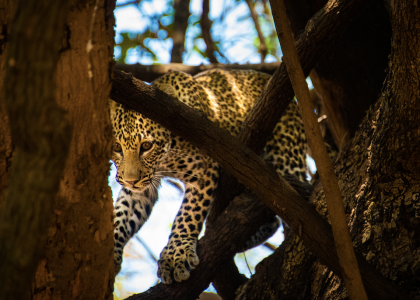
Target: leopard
column 145, row 153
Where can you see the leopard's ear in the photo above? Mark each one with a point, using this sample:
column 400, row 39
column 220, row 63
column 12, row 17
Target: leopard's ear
column 113, row 106
column 167, row 88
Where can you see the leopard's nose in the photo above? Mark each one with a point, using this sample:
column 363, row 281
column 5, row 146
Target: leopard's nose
column 130, row 182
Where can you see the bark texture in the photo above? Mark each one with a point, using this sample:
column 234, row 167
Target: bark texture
column 39, row 132
column 6, row 151
column 78, row 261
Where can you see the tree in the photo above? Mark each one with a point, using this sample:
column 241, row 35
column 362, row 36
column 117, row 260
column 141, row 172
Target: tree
column 377, row 167
column 56, row 242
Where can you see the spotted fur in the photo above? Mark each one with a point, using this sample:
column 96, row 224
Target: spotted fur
column 145, row 152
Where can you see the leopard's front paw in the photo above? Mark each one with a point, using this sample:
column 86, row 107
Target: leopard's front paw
column 177, row 259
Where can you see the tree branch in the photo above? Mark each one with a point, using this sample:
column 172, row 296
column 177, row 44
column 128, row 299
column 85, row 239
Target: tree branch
column 205, row 31
column 149, row 73
column 182, row 13
column 254, row 15
column 128, row 3
column 251, row 170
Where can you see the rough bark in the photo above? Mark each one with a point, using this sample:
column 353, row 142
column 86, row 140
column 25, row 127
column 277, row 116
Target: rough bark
column 78, row 261
column 379, row 178
column 6, row 151
column 182, row 13
column 39, row 132
column 150, row 73
column 250, row 169
column 350, row 75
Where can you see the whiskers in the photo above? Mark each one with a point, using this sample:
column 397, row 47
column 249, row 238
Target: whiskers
column 159, row 176
column 154, row 186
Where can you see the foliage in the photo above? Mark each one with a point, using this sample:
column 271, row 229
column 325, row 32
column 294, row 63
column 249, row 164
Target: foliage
column 233, row 33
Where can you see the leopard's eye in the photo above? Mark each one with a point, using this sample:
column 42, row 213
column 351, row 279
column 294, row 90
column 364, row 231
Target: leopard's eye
column 146, row 146
column 117, row 147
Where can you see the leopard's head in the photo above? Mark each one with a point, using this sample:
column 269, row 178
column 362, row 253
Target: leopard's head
column 139, row 145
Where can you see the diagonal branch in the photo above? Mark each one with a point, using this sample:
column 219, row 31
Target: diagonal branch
column 182, row 13
column 254, row 15
column 151, row 72
column 205, row 31
column 329, row 181
column 251, row 170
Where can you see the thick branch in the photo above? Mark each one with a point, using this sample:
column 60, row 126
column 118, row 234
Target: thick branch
column 336, row 212
column 151, row 72
column 250, row 169
column 40, row 133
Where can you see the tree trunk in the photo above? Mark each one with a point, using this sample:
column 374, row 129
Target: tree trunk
column 6, row 151
column 379, row 177
column 78, row 261
column 78, row 258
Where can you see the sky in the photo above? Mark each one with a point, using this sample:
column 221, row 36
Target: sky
column 236, row 31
